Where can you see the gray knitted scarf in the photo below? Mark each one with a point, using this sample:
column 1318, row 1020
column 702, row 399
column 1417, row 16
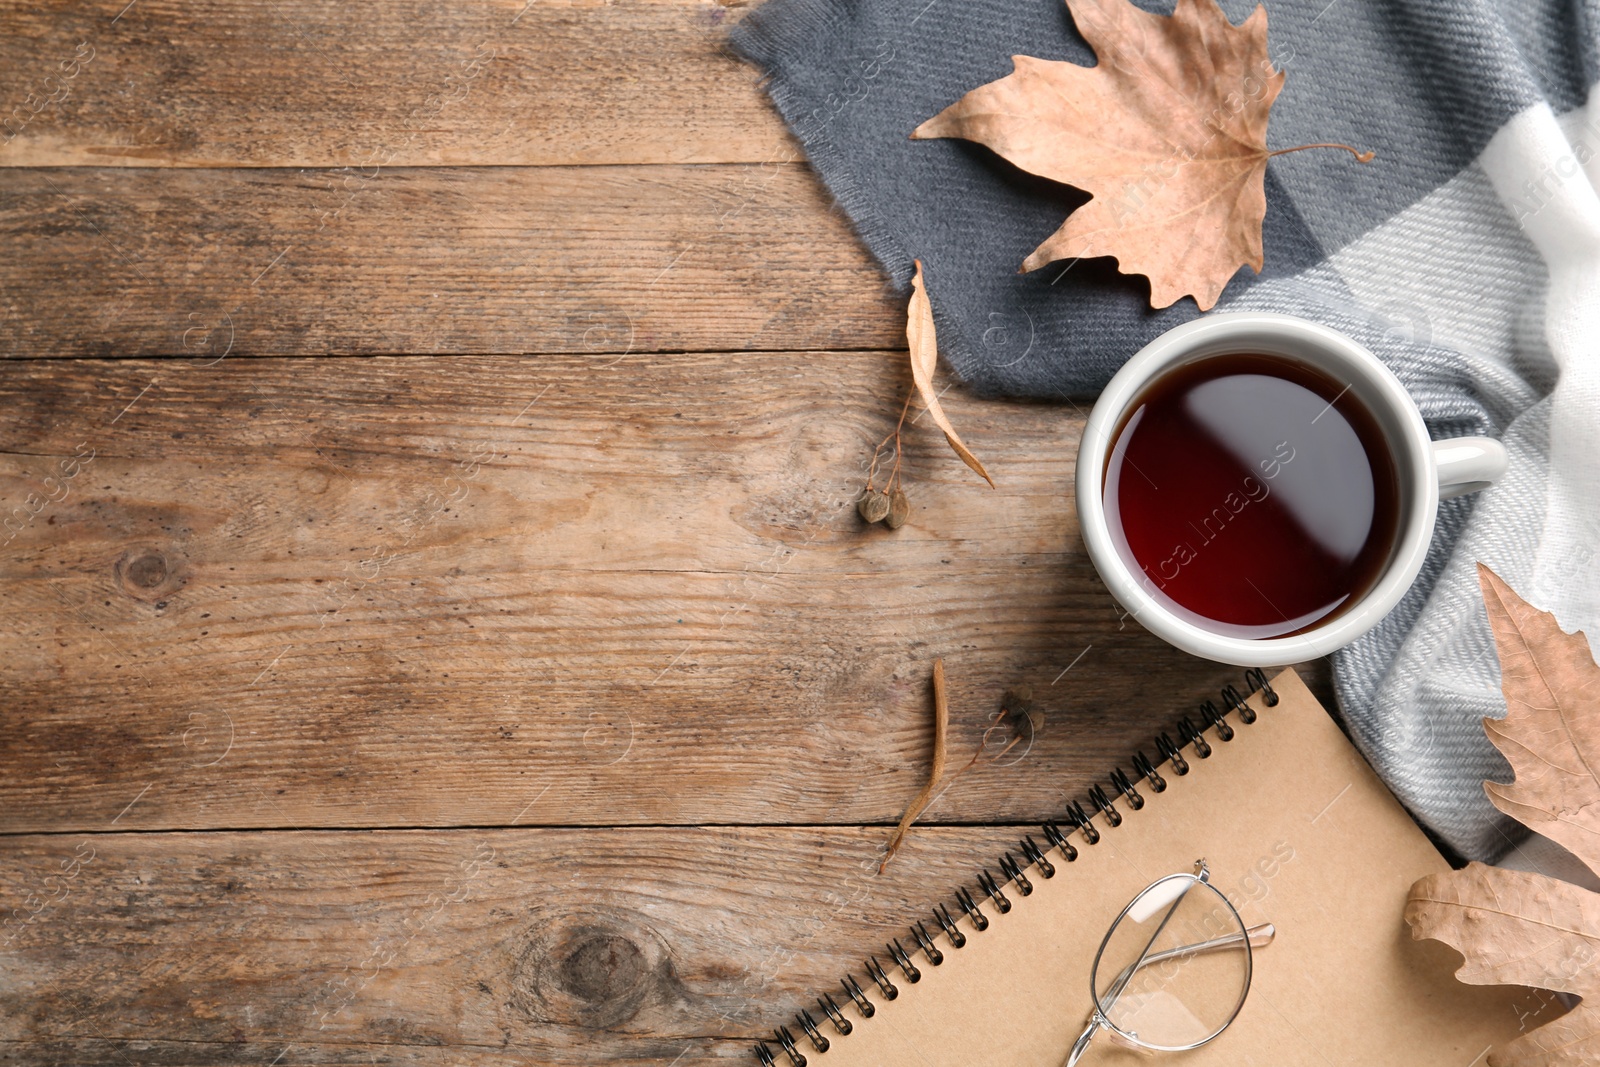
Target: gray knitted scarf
column 1465, row 257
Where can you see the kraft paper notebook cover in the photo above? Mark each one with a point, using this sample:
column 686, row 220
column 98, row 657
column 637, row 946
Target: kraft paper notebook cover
column 1297, row 831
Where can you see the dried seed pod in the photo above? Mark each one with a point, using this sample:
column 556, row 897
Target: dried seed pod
column 899, row 510
column 873, row 507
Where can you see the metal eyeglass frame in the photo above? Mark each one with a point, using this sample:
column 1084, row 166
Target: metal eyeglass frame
column 1253, row 937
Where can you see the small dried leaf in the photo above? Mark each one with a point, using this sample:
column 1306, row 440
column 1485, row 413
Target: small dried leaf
column 899, row 510
column 1514, row 927
column 924, row 347
column 873, row 507
column 941, row 724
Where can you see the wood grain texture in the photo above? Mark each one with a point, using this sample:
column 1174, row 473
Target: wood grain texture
column 411, row 592
column 548, row 608
column 309, row 83
column 208, row 263
column 490, row 947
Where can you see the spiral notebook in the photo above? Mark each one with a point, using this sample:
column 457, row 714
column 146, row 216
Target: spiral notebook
column 1296, row 830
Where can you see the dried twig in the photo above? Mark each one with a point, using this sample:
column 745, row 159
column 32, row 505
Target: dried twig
column 894, row 474
column 941, row 723
column 1015, row 705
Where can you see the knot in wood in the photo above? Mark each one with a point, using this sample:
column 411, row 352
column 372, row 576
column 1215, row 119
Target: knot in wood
column 593, row 968
column 148, row 573
column 603, row 967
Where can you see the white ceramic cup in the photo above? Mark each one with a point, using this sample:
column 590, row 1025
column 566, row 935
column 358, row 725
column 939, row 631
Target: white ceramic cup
column 1428, row 472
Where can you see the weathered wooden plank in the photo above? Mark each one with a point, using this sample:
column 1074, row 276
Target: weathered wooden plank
column 310, row 83
column 207, row 263
column 445, row 947
column 402, row 592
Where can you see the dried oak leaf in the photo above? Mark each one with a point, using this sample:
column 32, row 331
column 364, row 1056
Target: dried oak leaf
column 1168, row 133
column 1515, row 928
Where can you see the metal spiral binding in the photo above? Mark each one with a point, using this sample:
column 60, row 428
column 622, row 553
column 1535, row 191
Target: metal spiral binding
column 947, row 924
column 1098, row 798
column 1057, row 839
column 835, row 1016
column 1233, row 701
column 876, row 972
column 1189, row 736
column 987, row 883
column 863, row 1005
column 1256, row 679
column 925, row 942
column 1147, row 770
column 1170, row 753
column 908, row 968
column 1076, row 816
column 1013, row 874
column 807, row 1023
column 1031, row 853
column 1123, row 786
column 980, row 921
column 1214, row 720
column 786, row 1039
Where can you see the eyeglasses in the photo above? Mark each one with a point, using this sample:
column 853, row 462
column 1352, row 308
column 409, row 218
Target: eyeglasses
column 1174, row 968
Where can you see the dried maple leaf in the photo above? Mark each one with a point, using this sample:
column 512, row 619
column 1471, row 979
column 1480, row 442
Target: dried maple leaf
column 1515, row 928
column 1168, row 133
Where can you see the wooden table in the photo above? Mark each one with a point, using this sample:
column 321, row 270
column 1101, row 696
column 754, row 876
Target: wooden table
column 437, row 629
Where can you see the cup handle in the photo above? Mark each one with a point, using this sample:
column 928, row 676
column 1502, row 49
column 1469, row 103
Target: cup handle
column 1467, row 464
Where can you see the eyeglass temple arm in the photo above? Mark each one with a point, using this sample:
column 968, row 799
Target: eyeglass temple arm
column 1080, row 1046
column 1259, row 936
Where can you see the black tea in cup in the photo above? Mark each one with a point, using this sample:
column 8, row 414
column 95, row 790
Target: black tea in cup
column 1256, row 494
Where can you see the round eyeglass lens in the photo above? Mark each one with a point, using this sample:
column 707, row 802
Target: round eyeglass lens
column 1175, row 967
